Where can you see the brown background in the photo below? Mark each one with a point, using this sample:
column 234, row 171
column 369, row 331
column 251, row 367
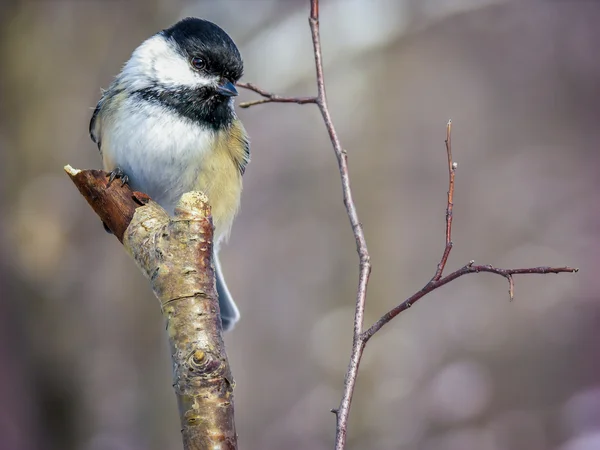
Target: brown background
column 83, row 356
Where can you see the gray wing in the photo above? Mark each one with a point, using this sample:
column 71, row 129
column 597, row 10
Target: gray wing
column 94, row 135
column 240, row 146
column 102, row 108
column 242, row 163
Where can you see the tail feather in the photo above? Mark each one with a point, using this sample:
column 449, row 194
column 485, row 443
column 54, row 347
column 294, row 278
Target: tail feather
column 229, row 311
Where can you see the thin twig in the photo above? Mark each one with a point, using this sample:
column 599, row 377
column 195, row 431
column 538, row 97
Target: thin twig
column 358, row 344
column 449, row 206
column 343, row 412
column 467, row 269
column 360, row 337
column 269, row 97
column 437, row 280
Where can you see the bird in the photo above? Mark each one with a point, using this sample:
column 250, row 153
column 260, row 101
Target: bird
column 167, row 125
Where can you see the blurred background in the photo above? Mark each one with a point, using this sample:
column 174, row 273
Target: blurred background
column 84, row 362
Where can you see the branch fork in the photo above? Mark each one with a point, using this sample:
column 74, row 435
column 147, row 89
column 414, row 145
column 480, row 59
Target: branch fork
column 360, row 337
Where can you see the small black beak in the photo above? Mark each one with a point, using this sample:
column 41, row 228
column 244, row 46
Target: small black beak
column 227, row 89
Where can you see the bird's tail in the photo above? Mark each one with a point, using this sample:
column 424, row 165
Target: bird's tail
column 229, row 311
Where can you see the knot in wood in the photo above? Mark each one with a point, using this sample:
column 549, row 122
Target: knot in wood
column 203, row 363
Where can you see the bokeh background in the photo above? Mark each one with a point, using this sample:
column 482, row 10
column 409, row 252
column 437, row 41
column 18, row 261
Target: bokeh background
column 84, row 362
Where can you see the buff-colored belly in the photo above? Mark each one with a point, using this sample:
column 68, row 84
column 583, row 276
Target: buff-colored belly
column 221, row 181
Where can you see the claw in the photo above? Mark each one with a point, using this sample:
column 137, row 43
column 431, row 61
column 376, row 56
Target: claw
column 117, row 172
column 106, row 228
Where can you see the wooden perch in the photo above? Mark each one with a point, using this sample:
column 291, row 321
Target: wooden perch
column 175, row 253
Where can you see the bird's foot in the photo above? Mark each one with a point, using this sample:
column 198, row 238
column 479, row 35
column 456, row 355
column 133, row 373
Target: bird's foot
column 117, row 172
column 108, row 230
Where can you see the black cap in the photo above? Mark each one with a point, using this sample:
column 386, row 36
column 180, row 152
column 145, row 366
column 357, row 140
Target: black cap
column 199, row 38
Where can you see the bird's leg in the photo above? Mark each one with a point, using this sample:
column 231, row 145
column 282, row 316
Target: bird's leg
column 117, row 172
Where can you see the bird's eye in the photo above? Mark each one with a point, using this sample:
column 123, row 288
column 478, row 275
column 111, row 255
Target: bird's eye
column 198, row 62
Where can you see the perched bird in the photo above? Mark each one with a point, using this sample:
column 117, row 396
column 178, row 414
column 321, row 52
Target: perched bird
column 167, row 125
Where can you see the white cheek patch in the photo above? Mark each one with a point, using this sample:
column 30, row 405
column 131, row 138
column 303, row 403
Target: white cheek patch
column 157, row 60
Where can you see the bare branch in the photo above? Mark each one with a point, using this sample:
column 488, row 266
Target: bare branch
column 450, row 204
column 437, row 280
column 269, row 97
column 467, row 269
column 343, row 411
column 360, row 337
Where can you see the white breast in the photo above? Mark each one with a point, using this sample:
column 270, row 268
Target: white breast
column 160, row 152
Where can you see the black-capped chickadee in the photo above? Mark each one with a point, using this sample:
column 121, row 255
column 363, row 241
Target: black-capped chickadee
column 167, row 125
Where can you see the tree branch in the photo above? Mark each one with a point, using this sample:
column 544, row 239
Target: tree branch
column 451, row 171
column 272, row 98
column 175, row 253
column 437, row 281
column 361, row 338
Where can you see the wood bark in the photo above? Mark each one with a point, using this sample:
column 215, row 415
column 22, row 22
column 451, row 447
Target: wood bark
column 175, row 253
